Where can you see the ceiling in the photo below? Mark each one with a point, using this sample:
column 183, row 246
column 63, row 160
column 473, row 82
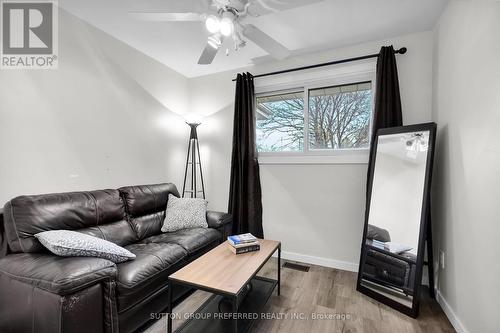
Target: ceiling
column 317, row 26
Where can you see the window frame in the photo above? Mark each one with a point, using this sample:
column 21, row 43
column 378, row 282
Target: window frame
column 317, row 156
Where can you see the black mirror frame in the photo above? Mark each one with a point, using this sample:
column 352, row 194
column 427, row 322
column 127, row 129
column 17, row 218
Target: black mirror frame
column 414, row 310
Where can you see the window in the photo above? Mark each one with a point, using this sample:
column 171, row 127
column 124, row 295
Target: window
column 339, row 117
column 335, row 118
column 280, row 122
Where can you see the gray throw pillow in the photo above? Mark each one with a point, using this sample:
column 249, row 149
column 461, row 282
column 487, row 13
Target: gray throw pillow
column 184, row 213
column 67, row 243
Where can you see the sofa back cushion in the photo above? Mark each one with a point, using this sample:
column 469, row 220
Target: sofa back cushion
column 146, row 205
column 96, row 213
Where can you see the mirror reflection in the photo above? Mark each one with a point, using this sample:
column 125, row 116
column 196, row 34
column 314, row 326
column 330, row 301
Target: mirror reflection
column 389, row 258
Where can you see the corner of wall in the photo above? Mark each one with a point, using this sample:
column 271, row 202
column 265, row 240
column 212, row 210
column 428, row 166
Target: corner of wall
column 450, row 313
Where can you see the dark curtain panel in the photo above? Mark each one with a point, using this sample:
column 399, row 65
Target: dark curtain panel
column 245, row 196
column 387, row 111
column 387, row 99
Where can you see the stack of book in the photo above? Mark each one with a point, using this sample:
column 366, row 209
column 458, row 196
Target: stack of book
column 243, row 243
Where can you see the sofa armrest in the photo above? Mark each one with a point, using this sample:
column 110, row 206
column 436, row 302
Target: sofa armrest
column 377, row 233
column 218, row 219
column 57, row 275
column 3, row 239
column 46, row 293
column 222, row 222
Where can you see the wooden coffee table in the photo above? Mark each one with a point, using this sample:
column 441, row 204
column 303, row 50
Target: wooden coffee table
column 228, row 276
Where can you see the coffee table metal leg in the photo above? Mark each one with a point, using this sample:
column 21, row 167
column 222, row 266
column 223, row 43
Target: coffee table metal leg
column 235, row 314
column 279, row 269
column 169, row 309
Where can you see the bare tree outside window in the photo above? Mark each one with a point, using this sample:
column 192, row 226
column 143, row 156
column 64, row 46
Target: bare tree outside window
column 338, row 118
column 280, row 122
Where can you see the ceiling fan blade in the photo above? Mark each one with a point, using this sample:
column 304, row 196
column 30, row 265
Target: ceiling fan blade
column 167, row 17
column 208, row 55
column 263, row 7
column 267, row 43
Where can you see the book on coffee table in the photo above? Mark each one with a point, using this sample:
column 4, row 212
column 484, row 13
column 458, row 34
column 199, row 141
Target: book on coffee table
column 244, row 248
column 243, row 243
column 237, row 246
column 242, row 239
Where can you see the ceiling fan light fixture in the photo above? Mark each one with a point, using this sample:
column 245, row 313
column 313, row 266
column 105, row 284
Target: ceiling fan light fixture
column 214, row 41
column 212, row 24
column 226, row 26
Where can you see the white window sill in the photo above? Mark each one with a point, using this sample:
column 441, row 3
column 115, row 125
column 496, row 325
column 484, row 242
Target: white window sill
column 358, row 157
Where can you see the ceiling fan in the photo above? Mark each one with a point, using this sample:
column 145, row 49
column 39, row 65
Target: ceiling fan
column 223, row 19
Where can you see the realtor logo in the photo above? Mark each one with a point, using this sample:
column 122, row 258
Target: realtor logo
column 29, row 34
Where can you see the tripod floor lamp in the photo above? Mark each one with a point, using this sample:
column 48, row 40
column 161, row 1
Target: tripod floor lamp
column 193, row 175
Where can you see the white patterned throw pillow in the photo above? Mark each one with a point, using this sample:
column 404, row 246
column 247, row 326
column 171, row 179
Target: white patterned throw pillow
column 67, row 243
column 185, row 213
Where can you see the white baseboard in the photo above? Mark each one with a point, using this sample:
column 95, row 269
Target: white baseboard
column 454, row 320
column 321, row 261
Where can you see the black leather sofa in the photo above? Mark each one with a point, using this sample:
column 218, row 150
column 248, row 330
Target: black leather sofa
column 41, row 292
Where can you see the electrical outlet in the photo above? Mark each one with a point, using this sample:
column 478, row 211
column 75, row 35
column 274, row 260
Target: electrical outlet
column 441, row 259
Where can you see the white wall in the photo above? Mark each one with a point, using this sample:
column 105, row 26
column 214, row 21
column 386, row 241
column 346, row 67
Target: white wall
column 317, row 211
column 467, row 177
column 102, row 120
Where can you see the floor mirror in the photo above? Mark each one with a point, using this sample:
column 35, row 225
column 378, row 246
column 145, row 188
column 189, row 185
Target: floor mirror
column 392, row 249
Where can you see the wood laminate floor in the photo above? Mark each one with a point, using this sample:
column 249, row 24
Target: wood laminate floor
column 325, row 292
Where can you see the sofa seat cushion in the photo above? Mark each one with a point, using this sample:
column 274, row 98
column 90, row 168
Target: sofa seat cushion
column 147, row 273
column 191, row 240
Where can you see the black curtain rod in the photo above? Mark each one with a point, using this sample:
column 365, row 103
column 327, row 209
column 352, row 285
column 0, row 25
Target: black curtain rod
column 335, row 62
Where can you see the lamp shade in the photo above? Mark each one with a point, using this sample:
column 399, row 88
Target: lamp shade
column 192, row 118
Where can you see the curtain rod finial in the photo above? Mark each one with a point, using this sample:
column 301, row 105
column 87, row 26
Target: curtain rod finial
column 402, row 50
